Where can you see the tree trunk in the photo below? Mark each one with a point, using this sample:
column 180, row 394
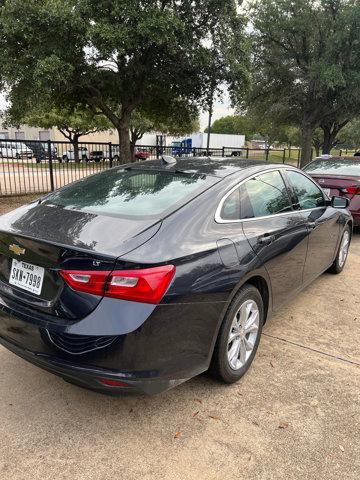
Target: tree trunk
column 75, row 143
column 307, row 131
column 123, row 129
column 132, row 151
column 134, row 138
column 121, row 124
column 329, row 139
column 331, row 132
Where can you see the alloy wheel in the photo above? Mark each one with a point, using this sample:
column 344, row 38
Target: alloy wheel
column 243, row 334
column 344, row 248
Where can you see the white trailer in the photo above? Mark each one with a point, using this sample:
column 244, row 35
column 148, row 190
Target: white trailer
column 198, row 140
column 217, row 140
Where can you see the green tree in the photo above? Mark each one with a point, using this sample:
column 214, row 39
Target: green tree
column 318, row 140
column 181, row 118
column 73, row 124
column 291, row 136
column 331, row 128
column 306, row 68
column 234, row 125
column 350, row 135
column 117, row 56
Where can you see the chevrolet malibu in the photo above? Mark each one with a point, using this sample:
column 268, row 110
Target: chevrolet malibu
column 143, row 276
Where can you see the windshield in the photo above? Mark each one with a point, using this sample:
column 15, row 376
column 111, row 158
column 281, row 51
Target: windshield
column 130, row 192
column 334, row 167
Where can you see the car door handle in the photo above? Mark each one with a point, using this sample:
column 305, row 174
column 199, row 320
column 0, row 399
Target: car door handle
column 267, row 239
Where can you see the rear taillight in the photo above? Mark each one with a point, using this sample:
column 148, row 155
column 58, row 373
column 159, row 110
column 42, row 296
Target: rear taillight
column 86, row 281
column 352, row 190
column 145, row 285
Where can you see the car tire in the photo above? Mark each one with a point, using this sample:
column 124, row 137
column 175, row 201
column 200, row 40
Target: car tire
column 232, row 358
column 65, row 158
column 342, row 253
column 116, row 158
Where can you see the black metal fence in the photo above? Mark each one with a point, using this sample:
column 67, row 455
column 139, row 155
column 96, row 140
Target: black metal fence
column 29, row 166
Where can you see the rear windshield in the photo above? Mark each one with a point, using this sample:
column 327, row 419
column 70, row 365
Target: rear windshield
column 130, row 192
column 334, row 167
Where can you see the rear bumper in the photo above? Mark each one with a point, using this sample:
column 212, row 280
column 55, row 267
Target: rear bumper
column 150, row 350
column 89, row 377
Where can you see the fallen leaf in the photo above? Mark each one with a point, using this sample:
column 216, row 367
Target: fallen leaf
column 283, row 425
column 178, row 435
column 342, row 448
column 214, row 417
column 198, row 400
column 131, row 410
column 255, row 422
column 196, row 413
column 271, row 364
column 240, row 394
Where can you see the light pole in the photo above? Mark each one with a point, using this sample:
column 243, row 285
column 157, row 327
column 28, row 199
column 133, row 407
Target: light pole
column 211, row 105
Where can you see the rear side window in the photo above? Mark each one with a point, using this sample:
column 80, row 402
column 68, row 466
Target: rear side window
column 308, row 194
column 231, row 207
column 264, row 195
column 134, row 193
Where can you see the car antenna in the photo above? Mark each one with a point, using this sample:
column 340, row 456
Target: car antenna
column 168, row 159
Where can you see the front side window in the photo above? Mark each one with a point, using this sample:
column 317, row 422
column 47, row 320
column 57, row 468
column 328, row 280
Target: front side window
column 308, row 194
column 264, row 195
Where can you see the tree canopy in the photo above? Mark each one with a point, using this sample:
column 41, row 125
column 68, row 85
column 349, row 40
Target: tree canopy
column 118, row 56
column 306, row 68
column 173, row 123
column 234, row 125
column 73, row 124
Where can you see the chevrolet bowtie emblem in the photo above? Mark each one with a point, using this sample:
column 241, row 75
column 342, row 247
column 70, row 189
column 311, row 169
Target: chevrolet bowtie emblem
column 16, row 249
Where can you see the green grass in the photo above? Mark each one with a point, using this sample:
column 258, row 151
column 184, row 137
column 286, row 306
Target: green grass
column 276, row 156
column 342, row 151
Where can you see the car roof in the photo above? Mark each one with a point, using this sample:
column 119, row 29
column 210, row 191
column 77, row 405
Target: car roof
column 213, row 166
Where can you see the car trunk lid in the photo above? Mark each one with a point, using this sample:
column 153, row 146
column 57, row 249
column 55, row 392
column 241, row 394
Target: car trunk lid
column 337, row 185
column 37, row 241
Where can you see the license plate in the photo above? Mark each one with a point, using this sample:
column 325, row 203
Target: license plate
column 327, row 191
column 26, row 276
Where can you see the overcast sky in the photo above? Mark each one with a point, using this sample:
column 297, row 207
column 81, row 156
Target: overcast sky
column 221, row 109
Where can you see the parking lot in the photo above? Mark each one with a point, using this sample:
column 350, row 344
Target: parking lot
column 295, row 415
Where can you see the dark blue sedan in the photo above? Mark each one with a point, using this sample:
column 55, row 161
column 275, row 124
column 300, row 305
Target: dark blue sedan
column 143, row 276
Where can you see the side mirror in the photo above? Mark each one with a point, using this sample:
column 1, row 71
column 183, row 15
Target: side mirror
column 340, row 202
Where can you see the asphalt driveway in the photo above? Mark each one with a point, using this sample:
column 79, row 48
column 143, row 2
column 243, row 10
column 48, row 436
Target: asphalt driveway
column 295, row 415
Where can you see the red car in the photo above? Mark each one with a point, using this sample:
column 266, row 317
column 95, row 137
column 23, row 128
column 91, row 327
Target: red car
column 339, row 176
column 142, row 154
